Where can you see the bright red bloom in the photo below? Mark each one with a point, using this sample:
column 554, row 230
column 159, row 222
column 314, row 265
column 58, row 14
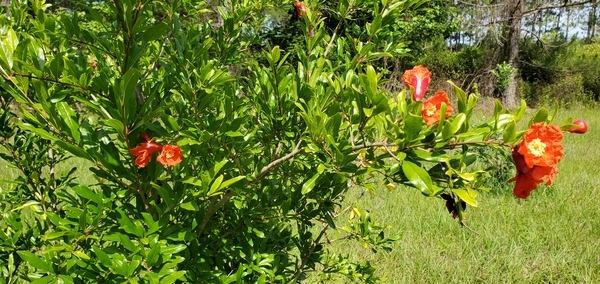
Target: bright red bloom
column 300, row 9
column 527, row 178
column 432, row 108
column 418, row 78
column 541, row 145
column 170, row 155
column 524, row 185
column 144, row 151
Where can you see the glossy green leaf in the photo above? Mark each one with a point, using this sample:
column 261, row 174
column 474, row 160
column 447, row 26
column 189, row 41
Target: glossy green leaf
column 275, row 54
column 510, row 132
column 75, row 150
column 412, row 127
column 128, row 226
column 540, row 116
column 155, row 32
column 35, row 261
column 116, row 125
column 41, row 132
column 461, row 96
column 216, row 185
column 87, row 193
column 452, row 127
column 418, row 177
column 69, row 118
column 467, row 196
column 190, row 206
column 230, row 182
column 520, row 112
column 172, row 277
column 102, row 256
column 81, row 255
column 310, row 184
column 129, row 82
column 153, row 255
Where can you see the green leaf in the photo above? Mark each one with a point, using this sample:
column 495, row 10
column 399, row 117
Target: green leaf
column 87, row 193
column 428, row 156
column 275, row 54
column 65, row 279
column 53, row 235
column 173, row 249
column 461, row 96
column 452, row 127
column 310, row 184
column 261, row 279
column 153, row 254
column 58, row 96
column 41, row 132
column 412, row 126
column 230, row 182
column 216, row 185
column 510, row 132
column 81, row 255
column 116, row 125
column 418, row 177
column 466, row 196
column 73, row 150
column 111, row 156
column 218, row 166
column 45, row 279
column 540, row 116
column 155, row 32
column 190, row 206
column 519, row 113
column 129, row 82
column 102, row 256
column 68, row 116
column 172, row 277
column 128, row 226
column 27, row 204
column 441, row 124
column 35, row 261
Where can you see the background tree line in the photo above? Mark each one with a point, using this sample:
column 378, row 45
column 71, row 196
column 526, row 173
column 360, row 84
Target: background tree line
column 551, row 46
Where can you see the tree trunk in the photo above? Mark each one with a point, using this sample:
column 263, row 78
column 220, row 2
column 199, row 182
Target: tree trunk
column 591, row 22
column 7, row 4
column 510, row 97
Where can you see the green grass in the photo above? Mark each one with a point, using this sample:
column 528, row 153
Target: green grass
column 552, row 237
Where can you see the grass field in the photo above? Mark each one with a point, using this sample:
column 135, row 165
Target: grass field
column 552, row 237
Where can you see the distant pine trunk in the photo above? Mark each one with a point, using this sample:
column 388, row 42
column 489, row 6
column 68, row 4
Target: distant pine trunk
column 510, row 97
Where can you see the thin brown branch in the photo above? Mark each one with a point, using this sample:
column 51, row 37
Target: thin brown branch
column 311, row 250
column 212, row 210
column 548, row 7
column 47, row 79
column 271, row 165
column 371, row 145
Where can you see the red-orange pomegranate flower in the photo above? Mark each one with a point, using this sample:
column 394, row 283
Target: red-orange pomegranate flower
column 541, row 145
column 418, row 78
column 432, row 108
column 300, row 9
column 144, row 151
column 170, row 155
column 527, row 178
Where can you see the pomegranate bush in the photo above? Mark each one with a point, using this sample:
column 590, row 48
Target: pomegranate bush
column 219, row 158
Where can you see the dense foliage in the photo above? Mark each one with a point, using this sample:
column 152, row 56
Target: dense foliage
column 217, row 157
